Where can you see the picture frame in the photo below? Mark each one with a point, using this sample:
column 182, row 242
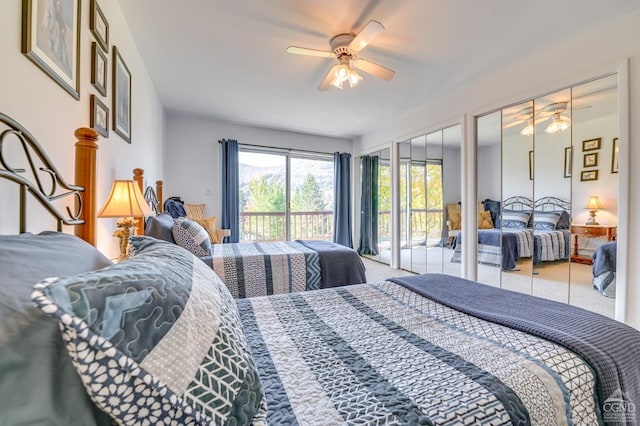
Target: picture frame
column 591, row 144
column 121, row 94
column 587, row 175
column 531, row 165
column 99, row 116
column 51, row 40
column 590, row 160
column 568, row 161
column 99, row 25
column 98, row 69
column 614, row 156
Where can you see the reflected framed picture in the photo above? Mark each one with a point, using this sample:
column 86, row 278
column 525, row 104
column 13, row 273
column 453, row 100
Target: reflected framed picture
column 121, row 90
column 591, row 144
column 568, row 161
column 614, row 156
column 98, row 69
column 51, row 40
column 99, row 117
column 590, row 160
column 531, row 165
column 99, row 26
column 589, row 175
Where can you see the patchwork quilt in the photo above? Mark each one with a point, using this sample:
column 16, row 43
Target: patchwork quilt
column 260, row 269
column 383, row 354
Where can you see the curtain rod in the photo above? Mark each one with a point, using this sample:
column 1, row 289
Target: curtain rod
column 275, row 149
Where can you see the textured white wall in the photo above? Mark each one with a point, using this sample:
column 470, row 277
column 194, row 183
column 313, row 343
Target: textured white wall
column 29, row 96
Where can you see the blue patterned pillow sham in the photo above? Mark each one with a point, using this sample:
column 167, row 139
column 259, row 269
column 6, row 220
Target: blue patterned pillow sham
column 515, row 219
column 190, row 235
column 157, row 339
column 545, row 221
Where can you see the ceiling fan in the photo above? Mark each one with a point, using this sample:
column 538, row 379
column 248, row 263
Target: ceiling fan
column 345, row 48
column 552, row 111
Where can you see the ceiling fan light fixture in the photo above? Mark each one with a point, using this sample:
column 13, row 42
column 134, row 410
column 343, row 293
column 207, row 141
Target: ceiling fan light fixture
column 528, row 129
column 354, row 78
column 559, row 124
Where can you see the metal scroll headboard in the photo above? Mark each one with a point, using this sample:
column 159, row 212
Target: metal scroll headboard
column 47, row 184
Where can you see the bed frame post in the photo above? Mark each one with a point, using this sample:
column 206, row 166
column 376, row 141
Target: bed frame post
column 86, row 154
column 138, row 176
column 159, row 195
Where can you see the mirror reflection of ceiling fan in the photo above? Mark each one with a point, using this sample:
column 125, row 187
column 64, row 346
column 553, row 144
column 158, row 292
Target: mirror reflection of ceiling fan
column 346, row 48
column 554, row 112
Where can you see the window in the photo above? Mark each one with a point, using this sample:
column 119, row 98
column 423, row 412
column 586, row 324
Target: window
column 285, row 195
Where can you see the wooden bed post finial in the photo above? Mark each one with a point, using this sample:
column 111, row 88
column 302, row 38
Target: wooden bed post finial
column 159, row 195
column 86, row 154
column 138, row 176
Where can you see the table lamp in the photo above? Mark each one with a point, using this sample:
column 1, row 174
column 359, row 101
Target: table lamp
column 593, row 205
column 125, row 201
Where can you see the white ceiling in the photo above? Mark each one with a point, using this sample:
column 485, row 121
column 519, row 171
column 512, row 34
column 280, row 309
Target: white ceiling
column 226, row 59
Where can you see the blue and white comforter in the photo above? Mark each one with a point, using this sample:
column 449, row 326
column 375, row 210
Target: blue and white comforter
column 383, row 354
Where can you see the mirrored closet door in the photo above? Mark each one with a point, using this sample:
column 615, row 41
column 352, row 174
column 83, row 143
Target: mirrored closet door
column 375, row 206
column 546, row 167
column 429, row 184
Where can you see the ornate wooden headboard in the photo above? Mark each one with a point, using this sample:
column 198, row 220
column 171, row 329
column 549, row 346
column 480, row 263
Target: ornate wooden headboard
column 39, row 177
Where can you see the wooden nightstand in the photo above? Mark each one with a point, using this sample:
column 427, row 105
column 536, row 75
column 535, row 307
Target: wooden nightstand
column 590, row 231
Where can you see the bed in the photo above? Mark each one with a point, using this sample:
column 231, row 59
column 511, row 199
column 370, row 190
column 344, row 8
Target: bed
column 604, row 269
column 158, row 339
column 522, row 236
column 265, row 268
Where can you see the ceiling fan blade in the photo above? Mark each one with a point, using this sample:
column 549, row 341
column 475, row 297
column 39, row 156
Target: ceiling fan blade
column 328, row 79
column 374, row 69
column 513, row 124
column 366, row 35
column 309, row 52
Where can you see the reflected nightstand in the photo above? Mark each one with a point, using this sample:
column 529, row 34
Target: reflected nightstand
column 590, row 231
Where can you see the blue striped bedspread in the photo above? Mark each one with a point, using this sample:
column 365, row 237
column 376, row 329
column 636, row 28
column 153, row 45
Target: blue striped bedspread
column 383, row 354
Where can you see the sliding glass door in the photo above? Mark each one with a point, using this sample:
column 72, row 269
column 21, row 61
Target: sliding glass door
column 285, row 196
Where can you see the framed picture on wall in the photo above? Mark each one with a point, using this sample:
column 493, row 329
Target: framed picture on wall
column 531, row 166
column 121, row 97
column 51, row 40
column 98, row 69
column 99, row 26
column 614, row 156
column 591, row 144
column 589, row 175
column 99, row 116
column 568, row 161
column 590, row 160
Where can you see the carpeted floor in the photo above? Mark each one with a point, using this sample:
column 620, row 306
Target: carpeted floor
column 560, row 281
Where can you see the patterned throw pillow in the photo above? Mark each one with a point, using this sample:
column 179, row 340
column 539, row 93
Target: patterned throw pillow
column 157, row 339
column 515, row 219
column 192, row 236
column 484, row 220
column 545, row 221
column 194, row 211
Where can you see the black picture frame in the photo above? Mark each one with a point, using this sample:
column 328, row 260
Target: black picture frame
column 49, row 46
column 99, row 25
column 99, row 67
column 587, row 175
column 568, row 161
column 121, row 94
column 590, row 160
column 591, row 144
column 614, row 156
column 99, row 116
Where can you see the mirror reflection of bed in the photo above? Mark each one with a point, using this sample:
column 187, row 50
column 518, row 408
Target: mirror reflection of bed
column 519, row 155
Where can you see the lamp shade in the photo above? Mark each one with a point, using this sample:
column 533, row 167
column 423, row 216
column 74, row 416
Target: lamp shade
column 594, row 203
column 125, row 200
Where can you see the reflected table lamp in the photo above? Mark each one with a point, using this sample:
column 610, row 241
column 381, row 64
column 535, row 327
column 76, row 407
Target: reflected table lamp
column 126, row 202
column 593, row 205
